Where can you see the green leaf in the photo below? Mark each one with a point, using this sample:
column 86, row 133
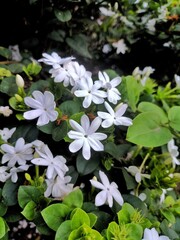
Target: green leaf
column 174, row 117
column 117, row 151
column 58, row 133
column 129, row 179
column 79, row 218
column 29, row 210
column 9, row 192
column 32, row 69
column 85, row 232
column 74, row 199
column 26, row 131
column 124, row 215
column 57, row 35
column 55, row 214
column 148, row 106
column 3, row 208
column 29, row 193
column 40, row 85
column 16, row 68
column 8, row 86
column 84, row 166
column 63, row 231
column 168, row 215
column 133, row 88
column 92, row 218
column 48, row 128
column 3, row 227
column 63, row 16
column 79, row 43
column 113, row 231
column 148, row 130
column 4, row 72
column 5, row 52
column 70, row 107
column 135, row 231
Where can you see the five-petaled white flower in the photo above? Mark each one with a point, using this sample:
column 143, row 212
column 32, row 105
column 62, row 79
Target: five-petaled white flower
column 44, row 107
column 58, row 187
column 6, row 111
column 113, row 94
column 152, row 234
column 109, row 191
column 20, row 153
column 114, row 117
column 120, row 46
column 85, row 136
column 90, row 92
column 55, row 165
column 174, row 153
column 54, row 58
column 6, row 133
column 136, row 172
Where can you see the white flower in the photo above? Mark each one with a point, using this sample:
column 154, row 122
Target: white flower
column 18, row 154
column 135, row 171
column 16, row 56
column 114, row 117
column 106, row 12
column 55, row 165
column 152, row 234
column 85, row 136
column 150, row 25
column 174, row 153
column 141, row 196
column 60, row 74
column 43, row 105
column 106, row 48
column 164, row 191
column 177, row 80
column 54, row 58
column 58, row 187
column 113, row 94
column 6, row 111
column 90, row 92
column 4, row 175
column 109, row 191
column 15, row 170
column 120, row 46
column 6, row 133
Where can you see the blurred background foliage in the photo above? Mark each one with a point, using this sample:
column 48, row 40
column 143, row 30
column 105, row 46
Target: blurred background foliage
column 79, row 28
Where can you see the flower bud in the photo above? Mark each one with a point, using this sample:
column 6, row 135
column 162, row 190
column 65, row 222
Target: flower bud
column 18, row 98
column 19, row 81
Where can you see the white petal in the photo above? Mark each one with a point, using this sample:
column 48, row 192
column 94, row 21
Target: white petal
column 104, row 179
column 81, row 93
column 120, row 110
column 19, row 145
column 107, row 123
column 40, row 162
column 86, row 151
column 109, row 199
column 115, row 81
column 76, row 145
column 43, row 119
column 95, row 144
column 99, row 136
column 97, row 184
column 87, row 101
column 32, row 114
column 117, row 196
column 104, row 115
column 94, row 125
column 7, row 148
column 100, row 198
column 75, row 135
column 29, row 101
column 39, row 96
column 76, row 126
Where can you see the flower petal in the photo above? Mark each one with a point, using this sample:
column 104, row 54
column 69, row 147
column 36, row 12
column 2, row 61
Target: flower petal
column 76, row 145
column 100, row 198
column 32, row 114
